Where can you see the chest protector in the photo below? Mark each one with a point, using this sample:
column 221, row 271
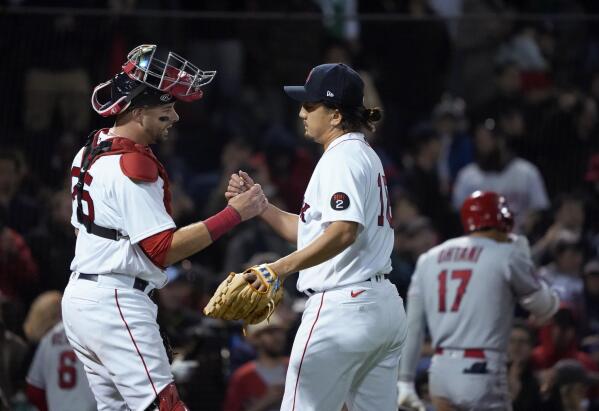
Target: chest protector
column 137, row 162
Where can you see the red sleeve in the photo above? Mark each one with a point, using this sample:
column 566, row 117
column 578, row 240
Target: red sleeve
column 234, row 398
column 37, row 397
column 155, row 247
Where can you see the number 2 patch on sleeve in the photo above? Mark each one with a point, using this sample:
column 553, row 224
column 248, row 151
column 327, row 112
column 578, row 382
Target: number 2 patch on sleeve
column 339, row 201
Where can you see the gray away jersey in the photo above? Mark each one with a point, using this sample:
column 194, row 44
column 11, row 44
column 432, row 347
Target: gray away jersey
column 56, row 369
column 469, row 286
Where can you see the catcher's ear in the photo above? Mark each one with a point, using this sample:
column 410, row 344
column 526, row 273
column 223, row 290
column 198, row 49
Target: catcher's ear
column 137, row 114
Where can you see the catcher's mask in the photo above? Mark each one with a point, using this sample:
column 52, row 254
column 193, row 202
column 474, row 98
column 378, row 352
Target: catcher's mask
column 486, row 210
column 147, row 80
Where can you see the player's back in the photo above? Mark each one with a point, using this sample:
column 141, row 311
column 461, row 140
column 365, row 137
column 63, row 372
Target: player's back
column 56, row 369
column 466, row 290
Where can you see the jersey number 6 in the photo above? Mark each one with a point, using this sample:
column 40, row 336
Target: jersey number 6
column 385, row 205
column 67, row 373
column 464, row 277
column 85, row 195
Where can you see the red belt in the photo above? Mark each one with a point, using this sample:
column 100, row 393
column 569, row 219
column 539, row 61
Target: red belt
column 468, row 352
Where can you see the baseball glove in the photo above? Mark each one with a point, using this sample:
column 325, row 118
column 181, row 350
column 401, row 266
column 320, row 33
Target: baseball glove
column 236, row 298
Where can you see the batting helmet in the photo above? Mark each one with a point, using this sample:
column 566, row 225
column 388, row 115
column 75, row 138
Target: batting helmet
column 147, row 80
column 485, row 210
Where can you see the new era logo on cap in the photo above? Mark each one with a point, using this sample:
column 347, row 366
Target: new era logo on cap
column 337, row 84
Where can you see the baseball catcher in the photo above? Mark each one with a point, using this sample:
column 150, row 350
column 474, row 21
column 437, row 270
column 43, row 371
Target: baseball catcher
column 126, row 236
column 251, row 296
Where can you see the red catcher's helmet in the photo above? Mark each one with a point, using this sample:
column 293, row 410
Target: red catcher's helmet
column 153, row 78
column 486, row 209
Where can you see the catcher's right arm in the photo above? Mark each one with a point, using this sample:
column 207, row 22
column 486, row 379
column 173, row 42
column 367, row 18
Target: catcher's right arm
column 236, row 298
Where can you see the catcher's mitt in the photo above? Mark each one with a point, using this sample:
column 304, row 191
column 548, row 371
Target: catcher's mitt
column 236, row 299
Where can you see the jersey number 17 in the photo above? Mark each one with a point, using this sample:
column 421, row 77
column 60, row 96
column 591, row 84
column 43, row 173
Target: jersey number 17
column 464, row 277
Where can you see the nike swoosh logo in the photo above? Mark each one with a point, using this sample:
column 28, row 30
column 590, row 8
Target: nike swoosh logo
column 354, row 294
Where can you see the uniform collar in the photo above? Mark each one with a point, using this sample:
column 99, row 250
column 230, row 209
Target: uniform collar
column 347, row 136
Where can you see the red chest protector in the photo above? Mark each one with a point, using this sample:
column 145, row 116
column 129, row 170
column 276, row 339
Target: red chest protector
column 137, row 162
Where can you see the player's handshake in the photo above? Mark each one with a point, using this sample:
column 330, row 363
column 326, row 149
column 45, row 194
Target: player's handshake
column 249, row 203
column 238, row 183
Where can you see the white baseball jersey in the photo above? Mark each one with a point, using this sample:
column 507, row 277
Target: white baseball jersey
column 520, row 183
column 469, row 287
column 348, row 184
column 56, row 369
column 113, row 200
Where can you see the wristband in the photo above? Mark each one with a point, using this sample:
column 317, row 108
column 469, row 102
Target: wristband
column 222, row 222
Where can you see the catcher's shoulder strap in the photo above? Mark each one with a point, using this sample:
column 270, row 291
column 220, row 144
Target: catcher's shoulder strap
column 91, row 151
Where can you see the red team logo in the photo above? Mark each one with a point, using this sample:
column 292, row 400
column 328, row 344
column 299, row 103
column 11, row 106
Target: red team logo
column 302, row 214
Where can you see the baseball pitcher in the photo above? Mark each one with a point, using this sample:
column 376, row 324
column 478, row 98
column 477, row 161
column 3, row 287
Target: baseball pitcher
column 348, row 345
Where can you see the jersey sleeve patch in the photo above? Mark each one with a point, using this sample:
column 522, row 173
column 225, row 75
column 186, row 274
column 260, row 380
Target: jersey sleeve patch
column 340, row 201
column 138, row 167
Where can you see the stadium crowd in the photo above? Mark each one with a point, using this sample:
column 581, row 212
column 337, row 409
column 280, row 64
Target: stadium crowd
column 493, row 103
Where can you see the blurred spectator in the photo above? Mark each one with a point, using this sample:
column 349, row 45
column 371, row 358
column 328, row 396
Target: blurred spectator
column 340, row 52
column 236, row 155
column 591, row 296
column 258, row 385
column 339, row 20
column 592, row 192
column 523, row 384
column 422, row 388
column 289, row 164
column 569, row 127
column 508, row 89
column 476, row 42
column 568, row 385
column 590, row 345
column 568, row 222
column 253, row 238
column 457, row 148
column 56, row 229
column 511, row 120
column 559, row 340
column 200, row 344
column 19, row 279
column 404, row 208
column 524, row 50
column 56, row 380
column 422, row 182
column 411, row 239
column 13, row 365
column 21, row 211
column 183, row 207
column 564, row 273
column 178, row 302
column 497, row 169
column 60, row 83
column 44, row 313
column 412, row 73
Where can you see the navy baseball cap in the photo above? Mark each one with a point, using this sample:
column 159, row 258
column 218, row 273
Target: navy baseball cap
column 330, row 83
